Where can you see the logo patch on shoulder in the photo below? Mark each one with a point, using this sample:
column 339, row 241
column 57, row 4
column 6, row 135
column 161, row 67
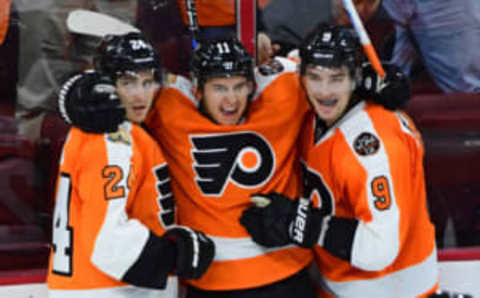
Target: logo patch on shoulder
column 366, row 144
column 271, row 67
column 120, row 136
column 171, row 79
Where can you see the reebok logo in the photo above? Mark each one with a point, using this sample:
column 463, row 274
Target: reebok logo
column 245, row 159
column 300, row 222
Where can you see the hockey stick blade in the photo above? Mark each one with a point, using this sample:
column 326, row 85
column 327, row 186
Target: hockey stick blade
column 87, row 22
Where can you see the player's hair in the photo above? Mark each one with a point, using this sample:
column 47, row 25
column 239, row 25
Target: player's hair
column 221, row 58
column 131, row 52
column 331, row 46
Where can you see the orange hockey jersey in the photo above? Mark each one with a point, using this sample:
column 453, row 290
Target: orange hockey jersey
column 216, row 168
column 113, row 201
column 211, row 13
column 4, row 18
column 366, row 173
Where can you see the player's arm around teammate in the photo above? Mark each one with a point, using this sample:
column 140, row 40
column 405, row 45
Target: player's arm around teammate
column 114, row 231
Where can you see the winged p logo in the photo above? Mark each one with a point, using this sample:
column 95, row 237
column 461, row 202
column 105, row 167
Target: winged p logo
column 243, row 158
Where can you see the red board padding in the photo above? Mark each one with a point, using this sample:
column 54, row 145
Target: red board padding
column 13, row 277
column 459, row 254
column 458, row 112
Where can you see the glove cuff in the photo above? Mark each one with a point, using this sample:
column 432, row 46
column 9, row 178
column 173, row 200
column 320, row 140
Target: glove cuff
column 62, row 98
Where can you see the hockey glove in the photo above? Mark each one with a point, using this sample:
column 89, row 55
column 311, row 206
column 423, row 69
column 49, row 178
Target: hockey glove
column 276, row 220
column 195, row 251
column 89, row 101
column 392, row 92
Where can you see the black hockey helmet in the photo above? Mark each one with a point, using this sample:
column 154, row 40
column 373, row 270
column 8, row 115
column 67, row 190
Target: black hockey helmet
column 131, row 52
column 331, row 46
column 221, row 58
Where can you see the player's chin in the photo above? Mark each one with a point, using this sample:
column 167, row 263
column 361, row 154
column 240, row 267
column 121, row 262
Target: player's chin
column 228, row 119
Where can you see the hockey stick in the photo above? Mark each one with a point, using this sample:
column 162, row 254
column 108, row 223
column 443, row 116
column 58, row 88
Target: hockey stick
column 93, row 23
column 364, row 39
column 192, row 21
column 246, row 19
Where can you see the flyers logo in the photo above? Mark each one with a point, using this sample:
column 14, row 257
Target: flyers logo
column 245, row 159
column 315, row 189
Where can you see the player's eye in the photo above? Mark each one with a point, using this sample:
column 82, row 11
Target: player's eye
column 219, row 88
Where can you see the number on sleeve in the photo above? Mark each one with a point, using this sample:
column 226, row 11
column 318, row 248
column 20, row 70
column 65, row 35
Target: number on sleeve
column 62, row 232
column 381, row 191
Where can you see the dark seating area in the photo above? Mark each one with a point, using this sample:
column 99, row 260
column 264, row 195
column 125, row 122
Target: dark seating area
column 450, row 126
column 28, row 172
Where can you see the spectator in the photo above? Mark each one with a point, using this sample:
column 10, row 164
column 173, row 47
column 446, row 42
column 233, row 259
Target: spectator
column 430, row 32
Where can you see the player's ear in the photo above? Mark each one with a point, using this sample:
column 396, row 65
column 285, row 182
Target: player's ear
column 197, row 92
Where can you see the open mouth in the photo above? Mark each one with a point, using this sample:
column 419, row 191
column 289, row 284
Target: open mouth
column 139, row 109
column 229, row 111
column 327, row 103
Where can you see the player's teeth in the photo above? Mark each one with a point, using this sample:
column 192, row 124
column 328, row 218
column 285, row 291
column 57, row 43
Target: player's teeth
column 328, row 102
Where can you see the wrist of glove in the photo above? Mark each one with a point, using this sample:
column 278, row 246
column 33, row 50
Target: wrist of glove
column 89, row 101
column 276, row 220
column 195, row 251
column 392, row 92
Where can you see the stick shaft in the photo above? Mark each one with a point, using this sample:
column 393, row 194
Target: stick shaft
column 364, row 38
column 192, row 21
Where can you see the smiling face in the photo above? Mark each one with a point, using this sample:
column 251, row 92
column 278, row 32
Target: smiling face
column 136, row 92
column 328, row 90
column 225, row 100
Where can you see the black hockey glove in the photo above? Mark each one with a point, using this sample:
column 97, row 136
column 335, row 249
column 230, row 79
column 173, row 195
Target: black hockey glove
column 89, row 101
column 392, row 92
column 276, row 220
column 195, row 251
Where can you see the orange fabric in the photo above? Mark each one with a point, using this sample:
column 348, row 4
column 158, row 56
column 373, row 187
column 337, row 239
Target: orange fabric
column 177, row 124
column 335, row 160
column 211, row 13
column 85, row 159
column 4, row 18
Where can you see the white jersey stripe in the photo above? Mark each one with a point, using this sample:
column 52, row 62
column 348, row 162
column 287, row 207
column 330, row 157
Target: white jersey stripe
column 406, row 283
column 376, row 243
column 231, row 249
column 120, row 240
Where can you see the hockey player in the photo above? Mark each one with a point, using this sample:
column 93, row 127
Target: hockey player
column 114, row 232
column 364, row 208
column 224, row 143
